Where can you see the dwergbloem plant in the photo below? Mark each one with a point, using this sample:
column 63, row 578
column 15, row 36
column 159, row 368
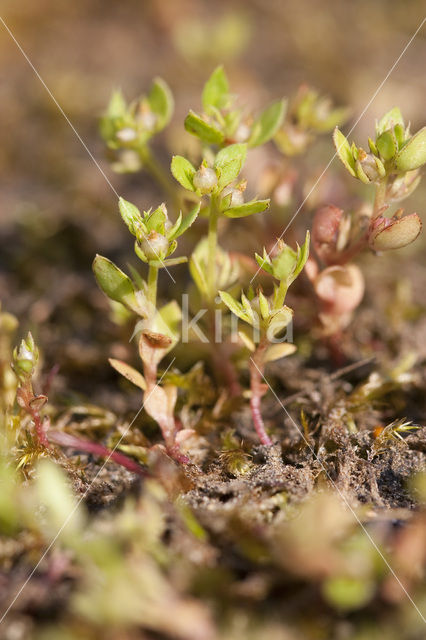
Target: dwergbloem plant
column 392, row 167
column 268, row 317
column 155, row 241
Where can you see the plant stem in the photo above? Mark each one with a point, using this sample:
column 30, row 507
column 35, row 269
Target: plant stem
column 152, row 286
column 282, row 292
column 380, row 198
column 68, row 440
column 156, row 170
column 257, row 367
column 212, row 249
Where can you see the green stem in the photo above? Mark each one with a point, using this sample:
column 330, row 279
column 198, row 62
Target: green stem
column 152, row 285
column 380, row 198
column 156, row 170
column 212, row 249
column 257, row 367
column 282, row 292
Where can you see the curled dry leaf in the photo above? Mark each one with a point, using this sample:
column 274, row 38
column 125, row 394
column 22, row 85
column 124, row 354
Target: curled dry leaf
column 128, row 372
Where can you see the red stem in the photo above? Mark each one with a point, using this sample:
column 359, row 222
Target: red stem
column 257, row 391
column 68, row 440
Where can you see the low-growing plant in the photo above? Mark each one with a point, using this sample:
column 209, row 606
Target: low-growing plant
column 216, row 188
column 25, row 426
column 392, row 167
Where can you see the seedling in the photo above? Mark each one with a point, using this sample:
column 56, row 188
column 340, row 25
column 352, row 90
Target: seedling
column 268, row 316
column 40, row 439
column 155, row 241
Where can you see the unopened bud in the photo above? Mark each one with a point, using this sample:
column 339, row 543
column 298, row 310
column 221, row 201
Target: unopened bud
column 236, row 196
column 242, row 133
column 155, row 246
column 369, row 167
column 146, row 119
column 205, row 179
column 126, row 135
column 25, row 357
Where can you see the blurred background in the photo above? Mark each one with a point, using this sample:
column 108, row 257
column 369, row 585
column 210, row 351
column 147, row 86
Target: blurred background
column 57, row 210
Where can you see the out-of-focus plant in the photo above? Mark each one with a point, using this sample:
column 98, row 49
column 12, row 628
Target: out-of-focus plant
column 392, row 167
column 309, row 115
column 128, row 130
column 222, row 122
column 268, row 317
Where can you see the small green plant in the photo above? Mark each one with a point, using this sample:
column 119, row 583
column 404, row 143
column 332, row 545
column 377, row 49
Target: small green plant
column 269, row 317
column 392, row 167
column 155, row 241
column 216, row 189
column 309, row 114
column 26, row 428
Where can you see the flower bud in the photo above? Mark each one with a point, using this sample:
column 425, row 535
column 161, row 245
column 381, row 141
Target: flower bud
column 25, row 358
column 242, row 133
column 126, row 135
column 370, row 168
column 205, row 179
column 155, row 246
column 236, row 196
column 146, row 118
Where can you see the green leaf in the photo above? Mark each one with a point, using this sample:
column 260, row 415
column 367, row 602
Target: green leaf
column 247, row 341
column 413, row 154
column 344, row 151
column 264, row 261
column 155, row 221
column 247, row 209
column 216, row 91
column 198, row 275
column 183, row 171
column 279, row 350
column 302, row 257
column 160, row 99
column 230, row 161
column 263, row 305
column 131, row 216
column 280, row 320
column 200, row 128
column 171, row 262
column 389, row 120
column 234, row 306
column 284, row 264
column 267, row 124
column 113, row 282
column 117, row 107
column 128, row 372
column 386, row 145
column 185, row 223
